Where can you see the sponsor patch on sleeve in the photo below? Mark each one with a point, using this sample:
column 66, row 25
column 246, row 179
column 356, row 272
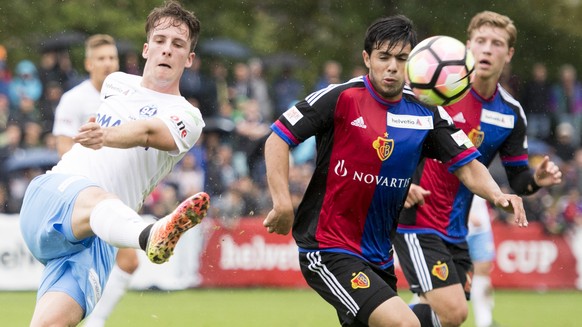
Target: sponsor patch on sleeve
column 461, row 139
column 293, row 115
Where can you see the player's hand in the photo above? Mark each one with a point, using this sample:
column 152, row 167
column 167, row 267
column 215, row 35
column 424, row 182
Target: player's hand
column 415, row 196
column 547, row 173
column 512, row 203
column 279, row 222
column 90, row 135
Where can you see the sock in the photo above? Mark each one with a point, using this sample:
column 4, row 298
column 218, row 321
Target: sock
column 425, row 314
column 117, row 224
column 114, row 289
column 482, row 300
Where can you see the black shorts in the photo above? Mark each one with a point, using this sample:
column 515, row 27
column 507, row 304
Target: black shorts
column 353, row 286
column 429, row 262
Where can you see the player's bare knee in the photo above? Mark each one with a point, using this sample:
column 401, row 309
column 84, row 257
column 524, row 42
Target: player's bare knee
column 127, row 260
column 453, row 316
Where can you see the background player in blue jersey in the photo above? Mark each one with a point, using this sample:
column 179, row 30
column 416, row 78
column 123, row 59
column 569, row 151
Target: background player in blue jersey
column 75, row 216
column 431, row 235
column 370, row 137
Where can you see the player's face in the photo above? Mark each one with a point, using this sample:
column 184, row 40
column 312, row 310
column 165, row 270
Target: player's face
column 167, row 53
column 102, row 61
column 386, row 69
column 491, row 51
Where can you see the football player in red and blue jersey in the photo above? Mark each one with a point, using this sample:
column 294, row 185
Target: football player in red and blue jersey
column 431, row 235
column 371, row 133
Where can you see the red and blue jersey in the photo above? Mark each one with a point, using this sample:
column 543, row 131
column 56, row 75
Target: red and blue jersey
column 495, row 126
column 367, row 151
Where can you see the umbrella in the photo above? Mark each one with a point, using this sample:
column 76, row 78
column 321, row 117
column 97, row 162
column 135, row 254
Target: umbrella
column 31, row 159
column 284, row 60
column 62, row 41
column 221, row 47
column 218, row 125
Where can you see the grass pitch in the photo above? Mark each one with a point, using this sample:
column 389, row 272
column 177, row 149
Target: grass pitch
column 283, row 307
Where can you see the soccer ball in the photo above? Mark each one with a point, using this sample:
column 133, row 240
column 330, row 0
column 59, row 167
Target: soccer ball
column 440, row 70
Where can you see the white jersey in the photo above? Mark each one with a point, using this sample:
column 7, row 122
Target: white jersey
column 75, row 108
column 479, row 218
column 132, row 173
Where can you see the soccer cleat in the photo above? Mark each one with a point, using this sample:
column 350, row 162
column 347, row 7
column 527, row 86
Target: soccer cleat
column 166, row 232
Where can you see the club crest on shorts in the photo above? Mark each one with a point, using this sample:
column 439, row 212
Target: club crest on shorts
column 383, row 146
column 440, row 271
column 360, row 281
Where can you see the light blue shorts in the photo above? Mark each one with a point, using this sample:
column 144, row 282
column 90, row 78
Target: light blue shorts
column 481, row 246
column 78, row 268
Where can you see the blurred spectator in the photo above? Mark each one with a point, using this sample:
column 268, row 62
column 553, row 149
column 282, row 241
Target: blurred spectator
column 510, row 81
column 287, row 89
column 358, row 71
column 25, row 83
column 566, row 100
column 48, row 105
column 331, row 74
column 260, row 90
column 131, row 63
column 4, row 72
column 32, row 136
column 4, row 115
column 240, row 88
column 162, row 200
column 70, row 77
column 199, row 89
column 220, row 78
column 564, row 145
column 25, row 110
column 535, row 100
column 188, row 176
column 220, row 171
column 251, row 132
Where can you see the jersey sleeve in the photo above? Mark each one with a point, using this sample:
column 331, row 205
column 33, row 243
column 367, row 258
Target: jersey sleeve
column 448, row 143
column 67, row 118
column 185, row 124
column 513, row 152
column 312, row 115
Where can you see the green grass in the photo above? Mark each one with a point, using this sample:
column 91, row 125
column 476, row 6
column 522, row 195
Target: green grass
column 282, row 308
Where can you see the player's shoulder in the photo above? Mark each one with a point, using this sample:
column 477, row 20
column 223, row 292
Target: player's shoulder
column 331, row 93
column 508, row 99
column 410, row 99
column 120, row 83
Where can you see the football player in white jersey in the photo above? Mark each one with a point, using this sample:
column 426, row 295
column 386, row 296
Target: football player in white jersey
column 75, row 216
column 75, row 108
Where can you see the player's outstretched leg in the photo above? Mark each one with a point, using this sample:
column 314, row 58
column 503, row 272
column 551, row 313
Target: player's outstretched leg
column 166, row 232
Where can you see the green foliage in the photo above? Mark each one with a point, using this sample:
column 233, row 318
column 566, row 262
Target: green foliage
column 314, row 30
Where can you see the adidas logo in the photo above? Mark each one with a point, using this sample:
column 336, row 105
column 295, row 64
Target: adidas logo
column 459, row 118
column 359, row 122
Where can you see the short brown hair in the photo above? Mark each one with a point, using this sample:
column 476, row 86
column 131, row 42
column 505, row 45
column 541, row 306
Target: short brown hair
column 178, row 15
column 96, row 41
column 494, row 19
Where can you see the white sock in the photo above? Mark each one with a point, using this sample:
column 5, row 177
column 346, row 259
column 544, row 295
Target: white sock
column 117, row 224
column 114, row 289
column 482, row 300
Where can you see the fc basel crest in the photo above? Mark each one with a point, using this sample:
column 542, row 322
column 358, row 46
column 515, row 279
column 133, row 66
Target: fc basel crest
column 440, row 270
column 383, row 146
column 360, row 281
column 476, row 136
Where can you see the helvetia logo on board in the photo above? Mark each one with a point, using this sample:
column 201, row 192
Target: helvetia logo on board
column 257, row 255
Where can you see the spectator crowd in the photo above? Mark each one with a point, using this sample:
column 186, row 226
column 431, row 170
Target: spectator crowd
column 239, row 102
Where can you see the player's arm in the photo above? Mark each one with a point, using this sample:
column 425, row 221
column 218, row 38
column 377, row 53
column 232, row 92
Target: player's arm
column 64, row 144
column 280, row 218
column 525, row 182
column 478, row 180
column 145, row 133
